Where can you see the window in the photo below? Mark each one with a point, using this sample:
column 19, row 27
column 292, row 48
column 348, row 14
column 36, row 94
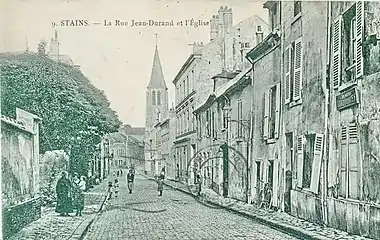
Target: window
column 293, row 71
column 259, row 37
column 180, row 92
column 271, row 113
column 153, row 97
column 192, row 80
column 187, row 121
column 187, row 85
column 158, row 98
column 259, row 28
column 240, row 119
column 208, row 129
column 349, row 163
column 213, row 127
column 297, row 7
column 246, row 45
column 192, row 118
column 347, row 62
column 309, row 159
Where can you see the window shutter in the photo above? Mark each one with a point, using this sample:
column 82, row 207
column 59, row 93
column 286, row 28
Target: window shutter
column 287, row 64
column 297, row 69
column 299, row 161
column 343, row 162
column 359, row 38
column 266, row 115
column 315, row 174
column 353, row 163
column 277, row 117
column 337, row 46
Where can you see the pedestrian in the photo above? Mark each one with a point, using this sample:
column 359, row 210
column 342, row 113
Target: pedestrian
column 116, row 187
column 199, row 182
column 63, row 190
column 130, row 180
column 160, row 184
column 121, row 172
column 109, row 190
column 117, row 173
column 79, row 188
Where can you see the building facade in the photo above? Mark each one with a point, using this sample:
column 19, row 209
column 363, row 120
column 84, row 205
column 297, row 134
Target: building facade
column 224, row 53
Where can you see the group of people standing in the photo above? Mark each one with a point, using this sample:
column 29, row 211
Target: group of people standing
column 70, row 194
column 113, row 187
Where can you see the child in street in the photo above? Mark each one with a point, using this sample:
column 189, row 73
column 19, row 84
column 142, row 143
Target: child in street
column 109, row 190
column 116, row 187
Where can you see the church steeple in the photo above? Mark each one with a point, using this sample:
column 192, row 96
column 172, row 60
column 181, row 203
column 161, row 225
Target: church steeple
column 157, row 79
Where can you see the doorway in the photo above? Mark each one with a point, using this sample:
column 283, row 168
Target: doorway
column 288, row 171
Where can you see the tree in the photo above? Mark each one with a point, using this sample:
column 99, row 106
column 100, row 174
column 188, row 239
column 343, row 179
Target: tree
column 63, row 97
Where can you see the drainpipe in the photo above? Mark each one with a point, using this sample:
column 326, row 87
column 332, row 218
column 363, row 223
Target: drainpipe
column 326, row 88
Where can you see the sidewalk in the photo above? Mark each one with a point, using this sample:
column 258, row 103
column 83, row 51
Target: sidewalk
column 279, row 220
column 53, row 226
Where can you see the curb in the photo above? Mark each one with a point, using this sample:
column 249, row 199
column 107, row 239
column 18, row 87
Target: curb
column 84, row 232
column 289, row 229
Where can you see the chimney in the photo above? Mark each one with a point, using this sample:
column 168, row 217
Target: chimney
column 227, row 19
column 214, row 27
column 197, row 46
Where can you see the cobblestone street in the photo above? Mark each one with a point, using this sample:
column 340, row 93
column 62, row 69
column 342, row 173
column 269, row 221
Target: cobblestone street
column 175, row 215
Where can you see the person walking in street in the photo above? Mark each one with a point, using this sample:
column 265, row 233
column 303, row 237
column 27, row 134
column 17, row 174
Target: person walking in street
column 199, row 183
column 78, row 189
column 130, row 180
column 63, row 190
column 116, row 187
column 109, row 190
column 160, row 183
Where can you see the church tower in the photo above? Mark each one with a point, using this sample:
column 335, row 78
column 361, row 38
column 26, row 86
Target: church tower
column 157, row 106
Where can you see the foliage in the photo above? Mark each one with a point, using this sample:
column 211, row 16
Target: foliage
column 65, row 100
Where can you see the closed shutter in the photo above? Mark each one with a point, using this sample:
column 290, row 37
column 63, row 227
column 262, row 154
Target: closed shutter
column 297, row 87
column 359, row 38
column 287, row 65
column 266, row 115
column 299, row 161
column 275, row 184
column 337, row 50
column 277, row 115
column 353, row 162
column 343, row 162
column 315, row 173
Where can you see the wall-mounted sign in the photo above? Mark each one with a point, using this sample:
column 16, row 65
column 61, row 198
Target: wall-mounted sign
column 347, row 99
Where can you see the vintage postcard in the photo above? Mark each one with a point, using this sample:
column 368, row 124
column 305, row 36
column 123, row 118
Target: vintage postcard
column 192, row 119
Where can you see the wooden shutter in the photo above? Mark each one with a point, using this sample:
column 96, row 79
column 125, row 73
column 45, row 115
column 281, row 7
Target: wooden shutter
column 277, row 115
column 287, row 65
column 299, row 161
column 337, row 51
column 266, row 115
column 343, row 162
column 359, row 38
column 275, row 183
column 297, row 87
column 353, row 162
column 317, row 160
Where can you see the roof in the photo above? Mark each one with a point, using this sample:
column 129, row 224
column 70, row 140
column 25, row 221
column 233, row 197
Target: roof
column 157, row 77
column 189, row 60
column 15, row 123
column 222, row 90
column 225, row 74
column 270, row 41
column 65, row 59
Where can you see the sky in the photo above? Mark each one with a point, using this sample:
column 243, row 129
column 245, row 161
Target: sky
column 117, row 59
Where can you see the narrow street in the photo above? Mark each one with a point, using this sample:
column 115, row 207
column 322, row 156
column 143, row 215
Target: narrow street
column 175, row 215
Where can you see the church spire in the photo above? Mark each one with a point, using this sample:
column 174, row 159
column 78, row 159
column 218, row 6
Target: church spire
column 157, row 77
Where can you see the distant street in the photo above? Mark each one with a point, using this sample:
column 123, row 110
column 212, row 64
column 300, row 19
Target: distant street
column 144, row 215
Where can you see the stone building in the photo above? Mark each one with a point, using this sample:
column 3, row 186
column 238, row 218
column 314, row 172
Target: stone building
column 224, row 53
column 20, row 171
column 224, row 118
column 164, row 138
column 55, row 54
column 266, row 101
column 157, row 108
column 353, row 184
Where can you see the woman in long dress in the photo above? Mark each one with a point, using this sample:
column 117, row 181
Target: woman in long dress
column 79, row 188
column 63, row 190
